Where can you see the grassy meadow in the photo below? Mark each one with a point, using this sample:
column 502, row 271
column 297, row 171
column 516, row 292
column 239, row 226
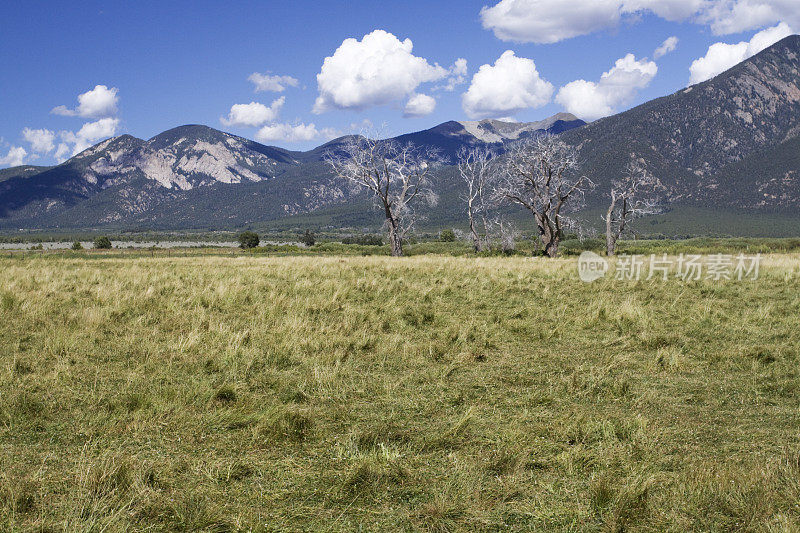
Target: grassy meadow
column 427, row 393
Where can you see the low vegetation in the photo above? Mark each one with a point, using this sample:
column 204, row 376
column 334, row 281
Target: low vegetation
column 308, row 238
column 248, row 239
column 100, row 243
column 432, row 393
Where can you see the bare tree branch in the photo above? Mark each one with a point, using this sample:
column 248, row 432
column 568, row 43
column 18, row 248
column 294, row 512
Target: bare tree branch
column 396, row 175
column 633, row 196
column 476, row 166
column 541, row 174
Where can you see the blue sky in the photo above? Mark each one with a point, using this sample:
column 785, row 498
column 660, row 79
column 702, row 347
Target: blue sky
column 164, row 64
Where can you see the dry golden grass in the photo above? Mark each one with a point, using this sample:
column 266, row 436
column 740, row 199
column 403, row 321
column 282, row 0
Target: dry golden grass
column 427, row 393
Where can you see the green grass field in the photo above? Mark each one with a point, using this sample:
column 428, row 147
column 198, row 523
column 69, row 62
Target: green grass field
column 430, row 393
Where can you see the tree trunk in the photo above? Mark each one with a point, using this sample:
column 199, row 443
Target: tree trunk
column 611, row 245
column 395, row 241
column 611, row 241
column 611, row 235
column 548, row 235
column 476, row 240
column 551, row 249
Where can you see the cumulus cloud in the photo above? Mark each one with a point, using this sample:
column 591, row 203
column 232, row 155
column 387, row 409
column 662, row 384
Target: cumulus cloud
column 734, row 16
column 722, row 56
column 669, row 45
column 507, row 87
column 293, row 133
column 89, row 134
column 457, row 75
column 41, row 141
column 419, row 105
column 271, row 83
column 99, row 102
column 100, row 129
column 374, row 71
column 550, row 21
column 15, row 157
column 62, row 153
column 589, row 100
column 253, row 114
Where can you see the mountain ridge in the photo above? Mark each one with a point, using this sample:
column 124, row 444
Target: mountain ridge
column 688, row 137
column 126, row 172
column 730, row 141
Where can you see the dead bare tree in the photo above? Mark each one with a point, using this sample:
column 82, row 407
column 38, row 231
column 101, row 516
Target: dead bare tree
column 476, row 167
column 501, row 233
column 633, row 196
column 396, row 175
column 541, row 174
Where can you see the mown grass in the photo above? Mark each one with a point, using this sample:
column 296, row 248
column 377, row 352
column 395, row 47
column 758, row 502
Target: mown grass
column 370, row 393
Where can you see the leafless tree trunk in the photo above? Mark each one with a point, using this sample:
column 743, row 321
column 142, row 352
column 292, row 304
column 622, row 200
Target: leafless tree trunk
column 633, row 196
column 541, row 174
column 475, row 165
column 503, row 232
column 397, row 176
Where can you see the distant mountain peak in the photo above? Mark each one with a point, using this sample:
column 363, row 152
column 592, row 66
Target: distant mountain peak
column 498, row 131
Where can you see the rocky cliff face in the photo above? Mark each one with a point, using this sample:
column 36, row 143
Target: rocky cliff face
column 181, row 159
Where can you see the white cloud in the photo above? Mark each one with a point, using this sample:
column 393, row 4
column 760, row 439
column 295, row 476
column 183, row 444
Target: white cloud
column 669, row 45
column 62, row 153
column 735, row 16
column 99, row 102
column 363, row 126
column 254, row 113
column 722, row 56
column 507, row 87
column 375, row 71
column 459, row 68
column 100, row 129
column 457, row 75
column 293, row 133
column 672, row 10
column 16, row 157
column 268, row 82
column 41, row 140
column 589, row 100
column 550, row 21
column 89, row 134
column 419, row 105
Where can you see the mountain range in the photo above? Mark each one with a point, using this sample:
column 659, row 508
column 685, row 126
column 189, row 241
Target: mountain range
column 195, row 176
column 730, row 142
